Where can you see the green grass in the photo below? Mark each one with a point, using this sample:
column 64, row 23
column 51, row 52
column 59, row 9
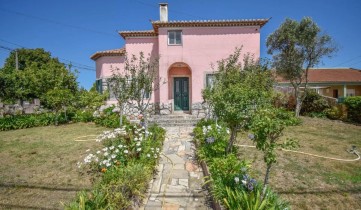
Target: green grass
column 38, row 165
column 322, row 183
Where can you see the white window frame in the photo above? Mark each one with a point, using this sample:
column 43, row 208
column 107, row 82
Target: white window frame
column 207, row 80
column 175, row 36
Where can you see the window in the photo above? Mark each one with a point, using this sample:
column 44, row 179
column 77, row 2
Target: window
column 174, row 37
column 350, row 92
column 99, row 85
column 210, row 80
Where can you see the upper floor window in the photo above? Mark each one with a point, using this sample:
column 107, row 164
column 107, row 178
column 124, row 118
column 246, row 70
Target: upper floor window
column 174, row 37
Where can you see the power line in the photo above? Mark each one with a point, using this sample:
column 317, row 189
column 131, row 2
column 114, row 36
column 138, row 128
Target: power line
column 347, row 61
column 69, row 62
column 57, row 22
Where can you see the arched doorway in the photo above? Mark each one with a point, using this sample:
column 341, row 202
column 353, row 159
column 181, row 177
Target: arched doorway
column 180, row 86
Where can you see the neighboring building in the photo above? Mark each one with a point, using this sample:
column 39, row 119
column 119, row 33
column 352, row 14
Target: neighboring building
column 333, row 82
column 186, row 50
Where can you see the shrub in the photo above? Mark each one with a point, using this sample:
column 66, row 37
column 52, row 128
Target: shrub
column 252, row 200
column 288, row 117
column 85, row 115
column 337, row 112
column 313, row 103
column 213, row 139
column 31, row 120
column 124, row 166
column 229, row 176
column 353, row 105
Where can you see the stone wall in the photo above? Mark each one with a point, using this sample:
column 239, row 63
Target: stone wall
column 132, row 112
column 201, row 110
column 28, row 107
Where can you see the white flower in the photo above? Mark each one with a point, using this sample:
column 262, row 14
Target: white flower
column 138, row 144
column 148, row 155
column 98, row 152
column 244, row 182
column 120, row 146
column 111, row 148
column 108, row 164
column 139, row 149
column 157, row 149
column 155, row 156
column 113, row 156
column 116, row 151
column 87, row 150
column 136, row 139
column 105, row 149
column 126, row 151
column 152, row 148
column 236, row 179
column 106, row 153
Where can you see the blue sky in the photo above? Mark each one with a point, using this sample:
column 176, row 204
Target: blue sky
column 74, row 30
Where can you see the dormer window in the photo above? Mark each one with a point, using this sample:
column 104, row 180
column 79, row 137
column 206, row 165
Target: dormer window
column 175, row 37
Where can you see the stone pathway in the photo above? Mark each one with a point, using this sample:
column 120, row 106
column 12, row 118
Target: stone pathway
column 178, row 184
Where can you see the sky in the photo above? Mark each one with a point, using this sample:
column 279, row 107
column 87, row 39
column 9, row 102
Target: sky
column 73, row 30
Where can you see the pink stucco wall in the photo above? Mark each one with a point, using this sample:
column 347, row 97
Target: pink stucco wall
column 104, row 65
column 202, row 47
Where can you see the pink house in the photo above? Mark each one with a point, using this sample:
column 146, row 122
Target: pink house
column 186, row 51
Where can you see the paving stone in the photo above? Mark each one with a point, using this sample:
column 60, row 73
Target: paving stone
column 170, row 206
column 174, row 182
column 175, row 158
column 179, row 182
column 183, row 182
column 181, row 153
column 180, row 174
column 191, row 167
column 152, row 205
column 178, row 166
column 181, row 148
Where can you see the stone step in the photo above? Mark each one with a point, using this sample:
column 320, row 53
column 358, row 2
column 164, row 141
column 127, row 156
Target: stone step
column 174, row 117
column 174, row 121
column 177, row 124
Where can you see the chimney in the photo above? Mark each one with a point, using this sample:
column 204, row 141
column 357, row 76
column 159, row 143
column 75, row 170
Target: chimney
column 163, row 12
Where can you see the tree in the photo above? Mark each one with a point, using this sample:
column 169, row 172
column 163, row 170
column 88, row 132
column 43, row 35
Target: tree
column 267, row 128
column 135, row 83
column 59, row 99
column 296, row 47
column 38, row 73
column 235, row 95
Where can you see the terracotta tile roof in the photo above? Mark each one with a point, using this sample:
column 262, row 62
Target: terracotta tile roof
column 331, row 75
column 209, row 23
column 137, row 33
column 114, row 52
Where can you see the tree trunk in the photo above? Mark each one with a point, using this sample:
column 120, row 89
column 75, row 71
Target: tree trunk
column 121, row 116
column 298, row 101
column 231, row 140
column 265, row 183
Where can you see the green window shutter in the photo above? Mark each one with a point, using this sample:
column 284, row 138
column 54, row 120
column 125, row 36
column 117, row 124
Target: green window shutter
column 99, row 85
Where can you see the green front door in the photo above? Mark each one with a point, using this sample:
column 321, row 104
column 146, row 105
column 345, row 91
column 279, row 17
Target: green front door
column 181, row 93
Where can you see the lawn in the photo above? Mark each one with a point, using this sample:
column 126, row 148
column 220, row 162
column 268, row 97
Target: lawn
column 38, row 165
column 309, row 182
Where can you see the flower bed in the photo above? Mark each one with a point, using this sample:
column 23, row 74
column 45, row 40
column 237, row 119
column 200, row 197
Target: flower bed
column 122, row 169
column 230, row 180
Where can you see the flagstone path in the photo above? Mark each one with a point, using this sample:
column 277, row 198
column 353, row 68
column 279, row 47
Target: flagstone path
column 178, row 184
